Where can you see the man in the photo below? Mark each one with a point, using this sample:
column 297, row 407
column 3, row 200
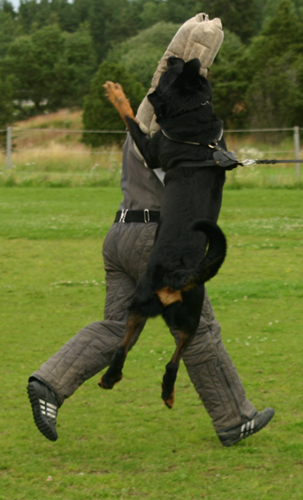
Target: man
column 126, row 250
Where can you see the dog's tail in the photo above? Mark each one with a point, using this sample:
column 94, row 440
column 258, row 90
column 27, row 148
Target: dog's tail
column 210, row 264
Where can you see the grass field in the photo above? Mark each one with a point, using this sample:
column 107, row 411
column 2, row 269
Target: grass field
column 124, row 443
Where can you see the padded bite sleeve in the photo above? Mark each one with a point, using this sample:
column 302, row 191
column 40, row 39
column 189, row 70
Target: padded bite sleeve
column 197, row 38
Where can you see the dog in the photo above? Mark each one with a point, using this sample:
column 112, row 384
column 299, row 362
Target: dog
column 189, row 246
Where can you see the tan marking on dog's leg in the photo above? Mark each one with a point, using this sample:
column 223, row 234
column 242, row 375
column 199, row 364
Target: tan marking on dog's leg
column 115, row 94
column 169, row 296
column 168, row 390
column 183, row 341
column 170, row 401
column 114, row 372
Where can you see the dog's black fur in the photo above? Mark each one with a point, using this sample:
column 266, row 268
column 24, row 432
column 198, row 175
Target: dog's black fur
column 180, row 260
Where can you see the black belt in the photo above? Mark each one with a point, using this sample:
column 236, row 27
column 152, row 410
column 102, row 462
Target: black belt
column 137, row 216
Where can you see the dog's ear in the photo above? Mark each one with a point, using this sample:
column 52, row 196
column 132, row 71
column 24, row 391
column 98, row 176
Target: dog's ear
column 174, row 61
column 190, row 78
column 157, row 102
column 175, row 67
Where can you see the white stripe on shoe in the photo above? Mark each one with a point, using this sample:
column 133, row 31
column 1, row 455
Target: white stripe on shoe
column 48, row 409
column 247, row 429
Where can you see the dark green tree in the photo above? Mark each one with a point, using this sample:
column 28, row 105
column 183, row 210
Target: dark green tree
column 140, row 54
column 33, row 13
column 8, row 31
column 111, row 21
column 275, row 96
column 66, row 15
column 176, row 11
column 241, row 17
column 274, row 59
column 270, row 8
column 81, row 60
column 282, row 34
column 81, row 10
column 153, row 12
column 28, row 14
column 169, row 11
column 99, row 113
column 6, row 101
column 8, row 8
column 229, row 79
column 51, row 68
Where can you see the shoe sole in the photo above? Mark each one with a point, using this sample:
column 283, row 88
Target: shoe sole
column 43, row 427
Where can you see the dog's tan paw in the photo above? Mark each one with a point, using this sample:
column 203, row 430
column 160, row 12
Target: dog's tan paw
column 115, row 94
column 170, row 401
column 114, row 91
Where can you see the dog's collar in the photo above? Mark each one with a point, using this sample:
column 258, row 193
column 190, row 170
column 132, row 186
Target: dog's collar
column 177, row 140
column 212, row 144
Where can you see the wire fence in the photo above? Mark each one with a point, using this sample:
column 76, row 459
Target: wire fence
column 28, row 145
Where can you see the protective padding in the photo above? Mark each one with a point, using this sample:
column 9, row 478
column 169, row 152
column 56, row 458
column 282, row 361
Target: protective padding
column 197, row 38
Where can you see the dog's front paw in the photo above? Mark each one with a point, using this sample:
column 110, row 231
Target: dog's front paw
column 168, row 399
column 108, row 382
column 168, row 389
column 115, row 94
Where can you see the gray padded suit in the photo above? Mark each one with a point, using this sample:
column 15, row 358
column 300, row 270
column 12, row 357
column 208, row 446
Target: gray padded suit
column 126, row 250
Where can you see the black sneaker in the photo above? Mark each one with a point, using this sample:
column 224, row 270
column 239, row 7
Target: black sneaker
column 45, row 408
column 257, row 422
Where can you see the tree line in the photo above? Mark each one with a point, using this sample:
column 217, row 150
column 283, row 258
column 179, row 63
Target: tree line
column 56, row 54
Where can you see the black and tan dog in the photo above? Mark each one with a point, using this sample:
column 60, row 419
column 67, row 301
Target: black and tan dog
column 189, row 246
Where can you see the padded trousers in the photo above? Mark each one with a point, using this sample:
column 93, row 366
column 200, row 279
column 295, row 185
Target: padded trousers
column 126, row 250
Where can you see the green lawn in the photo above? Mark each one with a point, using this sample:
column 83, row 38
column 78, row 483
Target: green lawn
column 124, row 443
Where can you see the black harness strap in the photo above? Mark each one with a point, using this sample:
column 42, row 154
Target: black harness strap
column 222, row 158
column 195, row 163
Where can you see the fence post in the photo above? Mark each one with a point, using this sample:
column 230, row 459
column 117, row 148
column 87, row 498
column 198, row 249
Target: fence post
column 8, row 147
column 297, row 150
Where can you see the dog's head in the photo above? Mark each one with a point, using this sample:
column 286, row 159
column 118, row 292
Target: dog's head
column 183, row 102
column 181, row 88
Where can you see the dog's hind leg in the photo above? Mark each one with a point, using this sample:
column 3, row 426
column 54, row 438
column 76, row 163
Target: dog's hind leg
column 183, row 318
column 114, row 374
column 170, row 375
